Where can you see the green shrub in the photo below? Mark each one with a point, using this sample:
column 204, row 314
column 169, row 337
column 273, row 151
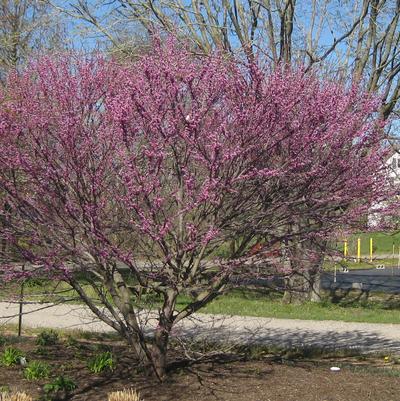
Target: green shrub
column 33, row 282
column 37, row 370
column 71, row 341
column 101, row 362
column 58, row 386
column 3, row 340
column 11, row 356
column 47, row 337
column 42, row 351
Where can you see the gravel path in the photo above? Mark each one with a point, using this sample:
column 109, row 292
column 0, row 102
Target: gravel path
column 328, row 334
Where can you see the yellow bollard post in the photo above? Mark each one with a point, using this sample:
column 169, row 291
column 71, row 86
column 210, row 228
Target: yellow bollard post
column 370, row 249
column 358, row 250
column 393, row 260
column 398, row 260
column 345, row 250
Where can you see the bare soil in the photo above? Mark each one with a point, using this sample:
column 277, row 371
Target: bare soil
column 269, row 378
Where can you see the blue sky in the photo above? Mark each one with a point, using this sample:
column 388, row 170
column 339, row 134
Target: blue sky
column 89, row 39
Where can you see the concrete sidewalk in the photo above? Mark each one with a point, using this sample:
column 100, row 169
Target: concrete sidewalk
column 365, row 337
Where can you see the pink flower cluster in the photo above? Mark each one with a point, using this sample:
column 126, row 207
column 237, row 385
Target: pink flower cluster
column 171, row 156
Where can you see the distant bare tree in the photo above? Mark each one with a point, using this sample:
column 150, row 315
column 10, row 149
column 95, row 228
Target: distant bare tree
column 356, row 39
column 26, row 26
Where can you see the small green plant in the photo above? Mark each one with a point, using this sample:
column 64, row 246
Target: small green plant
column 33, row 282
column 42, row 351
column 71, row 341
column 60, row 387
column 4, row 389
column 102, row 362
column 11, row 356
column 47, row 337
column 37, row 370
column 3, row 340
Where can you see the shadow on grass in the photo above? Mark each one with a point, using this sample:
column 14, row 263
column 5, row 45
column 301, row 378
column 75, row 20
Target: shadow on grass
column 363, row 299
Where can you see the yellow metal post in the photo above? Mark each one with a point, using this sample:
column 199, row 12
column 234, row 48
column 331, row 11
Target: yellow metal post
column 358, row 250
column 398, row 260
column 345, row 250
column 393, row 261
column 370, row 249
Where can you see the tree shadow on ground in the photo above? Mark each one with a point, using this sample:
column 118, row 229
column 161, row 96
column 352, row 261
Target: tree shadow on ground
column 363, row 298
column 223, row 331
column 204, row 370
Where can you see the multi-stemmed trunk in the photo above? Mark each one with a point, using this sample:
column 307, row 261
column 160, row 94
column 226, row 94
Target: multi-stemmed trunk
column 159, row 353
column 303, row 287
column 304, row 283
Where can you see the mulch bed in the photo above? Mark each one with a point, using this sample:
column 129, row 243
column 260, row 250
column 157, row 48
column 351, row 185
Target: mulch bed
column 266, row 379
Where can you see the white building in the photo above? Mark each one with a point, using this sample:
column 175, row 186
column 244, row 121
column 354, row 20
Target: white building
column 393, row 167
column 393, row 164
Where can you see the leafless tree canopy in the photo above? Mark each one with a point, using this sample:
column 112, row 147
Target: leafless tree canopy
column 351, row 39
column 26, row 26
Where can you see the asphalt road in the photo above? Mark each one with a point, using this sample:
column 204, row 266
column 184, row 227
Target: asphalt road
column 386, row 280
column 376, row 280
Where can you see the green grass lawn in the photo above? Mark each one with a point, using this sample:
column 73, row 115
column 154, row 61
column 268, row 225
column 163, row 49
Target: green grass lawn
column 380, row 308
column 251, row 303
column 382, row 251
column 382, row 243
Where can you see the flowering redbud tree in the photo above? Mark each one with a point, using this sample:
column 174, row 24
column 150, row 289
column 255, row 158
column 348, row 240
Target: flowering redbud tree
column 126, row 180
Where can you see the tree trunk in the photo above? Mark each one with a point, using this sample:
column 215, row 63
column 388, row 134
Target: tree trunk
column 315, row 289
column 304, row 284
column 303, row 287
column 159, row 353
column 296, row 289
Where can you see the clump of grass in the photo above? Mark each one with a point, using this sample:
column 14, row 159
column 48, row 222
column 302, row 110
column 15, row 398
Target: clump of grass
column 11, row 356
column 37, row 370
column 124, row 395
column 71, row 341
column 3, row 340
column 60, row 385
column 42, row 351
column 46, row 338
column 102, row 362
column 15, row 397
